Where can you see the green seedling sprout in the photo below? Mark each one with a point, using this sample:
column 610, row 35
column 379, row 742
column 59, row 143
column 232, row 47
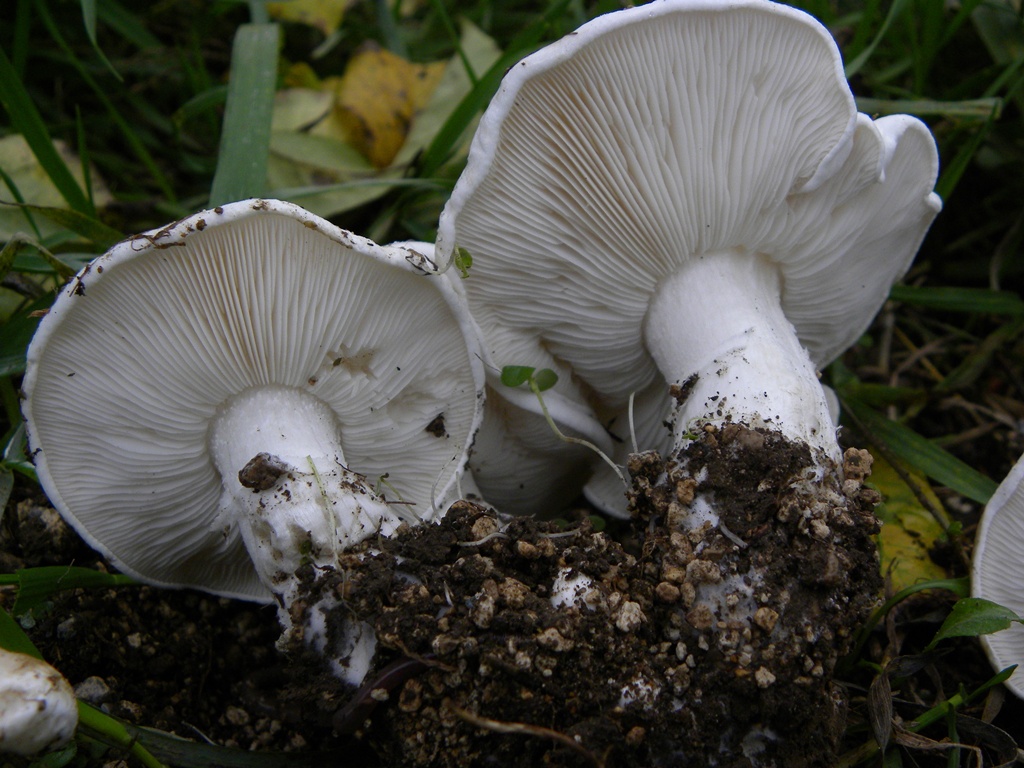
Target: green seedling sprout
column 540, row 381
column 974, row 616
column 462, row 261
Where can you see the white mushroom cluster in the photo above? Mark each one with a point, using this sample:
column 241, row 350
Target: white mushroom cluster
column 677, row 209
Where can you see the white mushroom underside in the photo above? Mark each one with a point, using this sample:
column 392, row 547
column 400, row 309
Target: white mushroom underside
column 259, row 300
column 520, row 464
column 998, row 571
column 664, row 133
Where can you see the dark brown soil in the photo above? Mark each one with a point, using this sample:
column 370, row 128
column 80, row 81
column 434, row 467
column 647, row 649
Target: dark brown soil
column 689, row 645
column 478, row 667
column 201, row 667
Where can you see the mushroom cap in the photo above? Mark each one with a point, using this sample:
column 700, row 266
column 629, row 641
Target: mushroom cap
column 659, row 133
column 38, row 710
column 520, row 465
column 142, row 348
column 861, row 226
column 997, row 571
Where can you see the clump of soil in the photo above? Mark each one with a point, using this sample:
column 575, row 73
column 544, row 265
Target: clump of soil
column 711, row 643
column 770, row 552
column 494, row 672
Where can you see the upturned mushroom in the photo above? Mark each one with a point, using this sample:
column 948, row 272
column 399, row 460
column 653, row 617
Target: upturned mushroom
column 38, row 710
column 683, row 195
column 996, row 570
column 519, row 464
column 246, row 391
column 679, row 208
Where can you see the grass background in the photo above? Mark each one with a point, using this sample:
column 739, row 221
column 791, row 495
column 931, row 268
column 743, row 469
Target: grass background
column 171, row 105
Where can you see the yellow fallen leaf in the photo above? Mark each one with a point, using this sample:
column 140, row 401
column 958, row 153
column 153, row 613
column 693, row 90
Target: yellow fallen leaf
column 295, row 109
column 324, row 15
column 299, row 74
column 35, row 187
column 909, row 530
column 378, row 97
column 481, row 51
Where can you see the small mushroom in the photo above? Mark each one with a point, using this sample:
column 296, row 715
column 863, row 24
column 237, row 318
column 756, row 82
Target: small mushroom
column 215, row 403
column 38, row 710
column 996, row 570
column 680, row 202
column 518, row 463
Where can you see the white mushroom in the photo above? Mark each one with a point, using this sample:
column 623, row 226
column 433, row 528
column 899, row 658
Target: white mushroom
column 521, row 466
column 997, row 568
column 518, row 462
column 683, row 194
column 38, row 710
column 217, row 402
column 679, row 210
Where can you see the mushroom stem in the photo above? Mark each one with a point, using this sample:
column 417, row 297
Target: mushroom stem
column 287, row 488
column 286, row 484
column 736, row 358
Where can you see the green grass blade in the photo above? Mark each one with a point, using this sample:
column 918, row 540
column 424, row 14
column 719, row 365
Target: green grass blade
column 19, row 198
column 127, row 25
column 35, row 585
column 93, row 230
column 131, row 138
column 853, row 67
column 881, row 395
column 181, row 753
column 956, row 168
column 258, row 13
column 6, row 486
column 967, row 109
column 245, row 136
column 7, row 254
column 89, row 20
column 455, row 126
column 202, row 103
column 979, row 359
column 920, row 453
column 109, row 730
column 20, row 38
column 389, row 30
column 13, row 637
column 446, row 20
column 15, row 335
column 26, row 120
column 83, row 157
column 964, row 11
column 949, row 299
